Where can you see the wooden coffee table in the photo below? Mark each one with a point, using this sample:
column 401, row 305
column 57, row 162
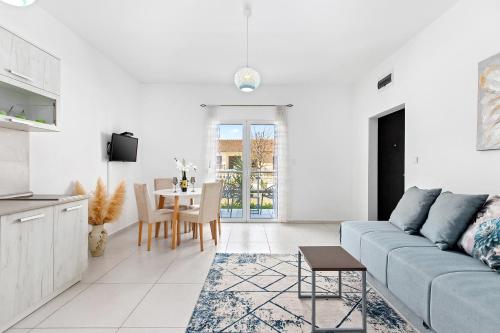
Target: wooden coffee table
column 330, row 258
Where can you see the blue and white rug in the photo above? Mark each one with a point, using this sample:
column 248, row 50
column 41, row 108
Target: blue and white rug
column 258, row 293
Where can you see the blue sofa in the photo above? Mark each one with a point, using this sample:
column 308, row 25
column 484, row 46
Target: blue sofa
column 449, row 291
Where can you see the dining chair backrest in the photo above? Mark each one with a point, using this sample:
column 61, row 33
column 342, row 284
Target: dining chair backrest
column 143, row 202
column 163, row 184
column 209, row 203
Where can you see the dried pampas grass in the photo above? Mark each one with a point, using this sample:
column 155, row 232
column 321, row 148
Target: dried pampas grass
column 97, row 204
column 115, row 204
column 101, row 208
column 79, row 189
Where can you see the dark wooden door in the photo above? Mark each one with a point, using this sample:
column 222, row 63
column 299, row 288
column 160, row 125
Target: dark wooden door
column 391, row 162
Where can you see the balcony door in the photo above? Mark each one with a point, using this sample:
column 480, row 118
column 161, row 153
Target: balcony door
column 246, row 162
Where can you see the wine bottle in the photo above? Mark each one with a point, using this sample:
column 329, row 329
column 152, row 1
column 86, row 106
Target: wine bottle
column 184, row 182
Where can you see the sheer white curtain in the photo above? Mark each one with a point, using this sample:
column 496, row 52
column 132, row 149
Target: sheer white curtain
column 211, row 142
column 282, row 154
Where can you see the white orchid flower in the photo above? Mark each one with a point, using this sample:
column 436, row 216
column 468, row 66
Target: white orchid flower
column 182, row 165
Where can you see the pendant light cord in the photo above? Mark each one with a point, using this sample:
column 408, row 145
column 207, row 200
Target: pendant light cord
column 247, row 38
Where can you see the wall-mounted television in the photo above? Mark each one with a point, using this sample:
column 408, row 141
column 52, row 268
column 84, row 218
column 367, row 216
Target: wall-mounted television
column 123, row 147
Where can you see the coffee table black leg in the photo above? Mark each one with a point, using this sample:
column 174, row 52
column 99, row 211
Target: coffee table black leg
column 313, row 300
column 300, row 277
column 362, row 329
column 340, row 284
column 363, row 304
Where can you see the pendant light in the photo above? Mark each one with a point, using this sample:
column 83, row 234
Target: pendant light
column 246, row 78
column 19, row 3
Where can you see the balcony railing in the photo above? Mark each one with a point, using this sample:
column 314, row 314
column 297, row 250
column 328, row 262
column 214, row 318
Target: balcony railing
column 262, row 194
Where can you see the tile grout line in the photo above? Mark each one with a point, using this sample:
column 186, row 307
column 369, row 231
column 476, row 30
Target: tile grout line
column 90, row 284
column 177, row 256
column 136, row 306
column 149, row 290
column 228, row 238
column 112, row 267
column 57, row 309
column 267, row 241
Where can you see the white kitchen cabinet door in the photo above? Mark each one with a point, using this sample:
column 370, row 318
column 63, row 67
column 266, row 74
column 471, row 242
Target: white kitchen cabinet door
column 52, row 76
column 5, row 50
column 27, row 63
column 26, row 261
column 70, row 242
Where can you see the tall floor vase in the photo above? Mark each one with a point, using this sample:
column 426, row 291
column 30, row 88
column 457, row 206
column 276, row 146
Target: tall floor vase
column 98, row 237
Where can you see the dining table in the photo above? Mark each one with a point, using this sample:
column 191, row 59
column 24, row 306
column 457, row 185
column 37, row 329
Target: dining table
column 176, row 195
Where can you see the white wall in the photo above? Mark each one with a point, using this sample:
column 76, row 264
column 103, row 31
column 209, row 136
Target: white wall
column 320, row 133
column 97, row 99
column 435, row 76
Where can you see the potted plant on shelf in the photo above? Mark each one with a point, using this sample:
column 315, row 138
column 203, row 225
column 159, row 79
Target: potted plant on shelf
column 102, row 209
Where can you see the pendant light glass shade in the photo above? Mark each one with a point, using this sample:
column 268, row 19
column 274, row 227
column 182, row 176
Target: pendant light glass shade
column 19, row 3
column 247, row 79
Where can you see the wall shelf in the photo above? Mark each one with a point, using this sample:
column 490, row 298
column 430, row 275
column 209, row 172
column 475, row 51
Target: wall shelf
column 26, row 125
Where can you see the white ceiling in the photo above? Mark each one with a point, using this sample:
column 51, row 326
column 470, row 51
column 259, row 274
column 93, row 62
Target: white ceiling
column 202, row 41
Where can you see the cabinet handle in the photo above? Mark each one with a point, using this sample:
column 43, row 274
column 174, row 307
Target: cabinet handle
column 22, row 76
column 69, row 209
column 31, row 218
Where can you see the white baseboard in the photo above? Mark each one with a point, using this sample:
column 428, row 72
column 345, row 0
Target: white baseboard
column 313, row 222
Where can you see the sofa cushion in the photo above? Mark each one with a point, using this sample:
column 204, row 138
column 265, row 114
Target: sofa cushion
column 413, row 208
column 410, row 272
column 449, row 216
column 351, row 232
column 489, row 211
column 466, row 302
column 487, row 243
column 376, row 246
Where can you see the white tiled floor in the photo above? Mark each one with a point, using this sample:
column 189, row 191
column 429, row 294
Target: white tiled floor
column 130, row 290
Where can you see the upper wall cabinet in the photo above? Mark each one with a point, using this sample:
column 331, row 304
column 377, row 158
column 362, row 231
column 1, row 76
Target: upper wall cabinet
column 28, row 64
column 29, row 85
column 51, row 81
column 5, row 49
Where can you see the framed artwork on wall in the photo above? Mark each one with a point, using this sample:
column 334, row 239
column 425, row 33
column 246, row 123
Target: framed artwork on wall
column 488, row 112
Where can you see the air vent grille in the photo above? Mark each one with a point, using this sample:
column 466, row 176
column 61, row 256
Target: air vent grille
column 384, row 81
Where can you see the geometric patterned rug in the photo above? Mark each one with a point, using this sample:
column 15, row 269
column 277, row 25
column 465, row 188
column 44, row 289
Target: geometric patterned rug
column 258, row 293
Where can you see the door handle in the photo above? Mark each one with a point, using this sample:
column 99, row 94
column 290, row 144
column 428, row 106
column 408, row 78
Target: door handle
column 21, row 75
column 31, row 218
column 69, row 209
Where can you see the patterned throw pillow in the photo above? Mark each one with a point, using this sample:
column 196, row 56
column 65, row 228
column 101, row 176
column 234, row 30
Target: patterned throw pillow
column 487, row 243
column 489, row 211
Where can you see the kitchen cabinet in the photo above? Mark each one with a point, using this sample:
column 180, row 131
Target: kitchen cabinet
column 26, row 260
column 29, row 85
column 26, row 63
column 5, row 50
column 70, row 242
column 43, row 251
column 52, row 74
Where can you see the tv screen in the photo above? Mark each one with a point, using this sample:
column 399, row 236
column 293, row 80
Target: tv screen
column 123, row 148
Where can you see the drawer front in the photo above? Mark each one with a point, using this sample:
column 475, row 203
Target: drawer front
column 70, row 242
column 26, row 260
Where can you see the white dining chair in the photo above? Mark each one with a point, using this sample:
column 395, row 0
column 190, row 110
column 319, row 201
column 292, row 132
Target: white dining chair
column 218, row 214
column 164, row 184
column 208, row 211
column 149, row 215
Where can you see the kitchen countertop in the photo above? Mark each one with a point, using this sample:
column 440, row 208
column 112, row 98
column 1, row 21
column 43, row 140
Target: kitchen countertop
column 8, row 207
